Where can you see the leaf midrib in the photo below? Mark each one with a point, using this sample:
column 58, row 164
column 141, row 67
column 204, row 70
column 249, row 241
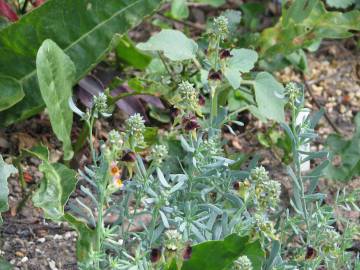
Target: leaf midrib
column 29, row 75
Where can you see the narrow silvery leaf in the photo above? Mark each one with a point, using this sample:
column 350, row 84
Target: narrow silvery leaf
column 162, row 178
column 56, row 75
column 164, row 219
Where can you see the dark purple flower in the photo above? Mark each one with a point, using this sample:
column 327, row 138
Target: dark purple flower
column 202, row 100
column 155, row 255
column 214, row 75
column 236, row 185
column 310, row 253
column 129, row 157
column 190, row 123
column 187, row 252
column 225, row 54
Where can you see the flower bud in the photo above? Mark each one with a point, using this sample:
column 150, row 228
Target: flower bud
column 129, row 157
column 243, row 263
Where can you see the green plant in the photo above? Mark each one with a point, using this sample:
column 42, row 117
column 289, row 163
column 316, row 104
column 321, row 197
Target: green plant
column 101, row 30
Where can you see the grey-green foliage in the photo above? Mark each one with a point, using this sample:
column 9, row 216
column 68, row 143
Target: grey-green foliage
column 5, row 171
column 56, row 76
column 340, row 3
column 174, row 44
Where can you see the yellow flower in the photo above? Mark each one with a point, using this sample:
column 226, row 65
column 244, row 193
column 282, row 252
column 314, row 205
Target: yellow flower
column 118, row 183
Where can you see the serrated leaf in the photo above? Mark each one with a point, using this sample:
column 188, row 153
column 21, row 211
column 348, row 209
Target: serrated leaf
column 56, row 75
column 84, row 29
column 349, row 153
column 55, row 189
column 219, row 255
column 5, row 171
column 174, row 44
column 11, row 93
column 267, row 91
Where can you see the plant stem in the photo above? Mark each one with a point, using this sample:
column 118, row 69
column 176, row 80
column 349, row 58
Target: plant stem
column 167, row 67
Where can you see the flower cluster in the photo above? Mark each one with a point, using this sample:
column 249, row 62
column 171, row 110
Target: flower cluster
column 221, row 26
column 173, row 240
column 135, row 128
column 189, row 97
column 243, row 263
column 100, row 104
column 158, row 154
column 294, row 93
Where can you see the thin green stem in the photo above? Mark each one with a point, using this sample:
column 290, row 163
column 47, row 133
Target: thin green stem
column 167, row 67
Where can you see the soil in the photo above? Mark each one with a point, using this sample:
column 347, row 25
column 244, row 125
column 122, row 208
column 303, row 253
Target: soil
column 28, row 241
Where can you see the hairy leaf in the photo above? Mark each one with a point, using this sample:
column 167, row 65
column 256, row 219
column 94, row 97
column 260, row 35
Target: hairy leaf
column 56, row 74
column 219, row 255
column 55, row 189
column 84, row 29
column 5, row 171
column 340, row 3
column 174, row 44
column 349, row 153
column 267, row 92
column 241, row 61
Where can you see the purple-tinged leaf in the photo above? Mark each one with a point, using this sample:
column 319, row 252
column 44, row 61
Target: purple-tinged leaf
column 7, row 12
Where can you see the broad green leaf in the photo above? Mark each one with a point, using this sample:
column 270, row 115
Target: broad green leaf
column 174, row 44
column 11, row 93
column 214, row 3
column 234, row 18
column 220, row 255
column 130, row 55
column 86, row 238
column 84, row 29
column 55, row 189
column 5, row 171
column 297, row 31
column 179, row 9
column 349, row 153
column 267, row 93
column 39, row 151
column 340, row 3
column 242, row 60
column 56, row 75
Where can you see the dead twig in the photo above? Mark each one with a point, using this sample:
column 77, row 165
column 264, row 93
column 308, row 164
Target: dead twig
column 196, row 26
column 313, row 97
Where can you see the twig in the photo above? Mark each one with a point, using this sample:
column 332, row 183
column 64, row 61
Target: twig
column 327, row 117
column 196, row 26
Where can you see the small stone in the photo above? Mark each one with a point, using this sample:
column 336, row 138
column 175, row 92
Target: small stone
column 52, row 265
column 24, row 260
column 41, row 240
column 19, row 254
column 68, row 235
column 58, row 237
column 12, row 261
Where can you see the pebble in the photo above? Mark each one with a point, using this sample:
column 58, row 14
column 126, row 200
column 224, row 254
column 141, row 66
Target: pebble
column 19, row 254
column 41, row 240
column 58, row 237
column 52, row 265
column 23, row 260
